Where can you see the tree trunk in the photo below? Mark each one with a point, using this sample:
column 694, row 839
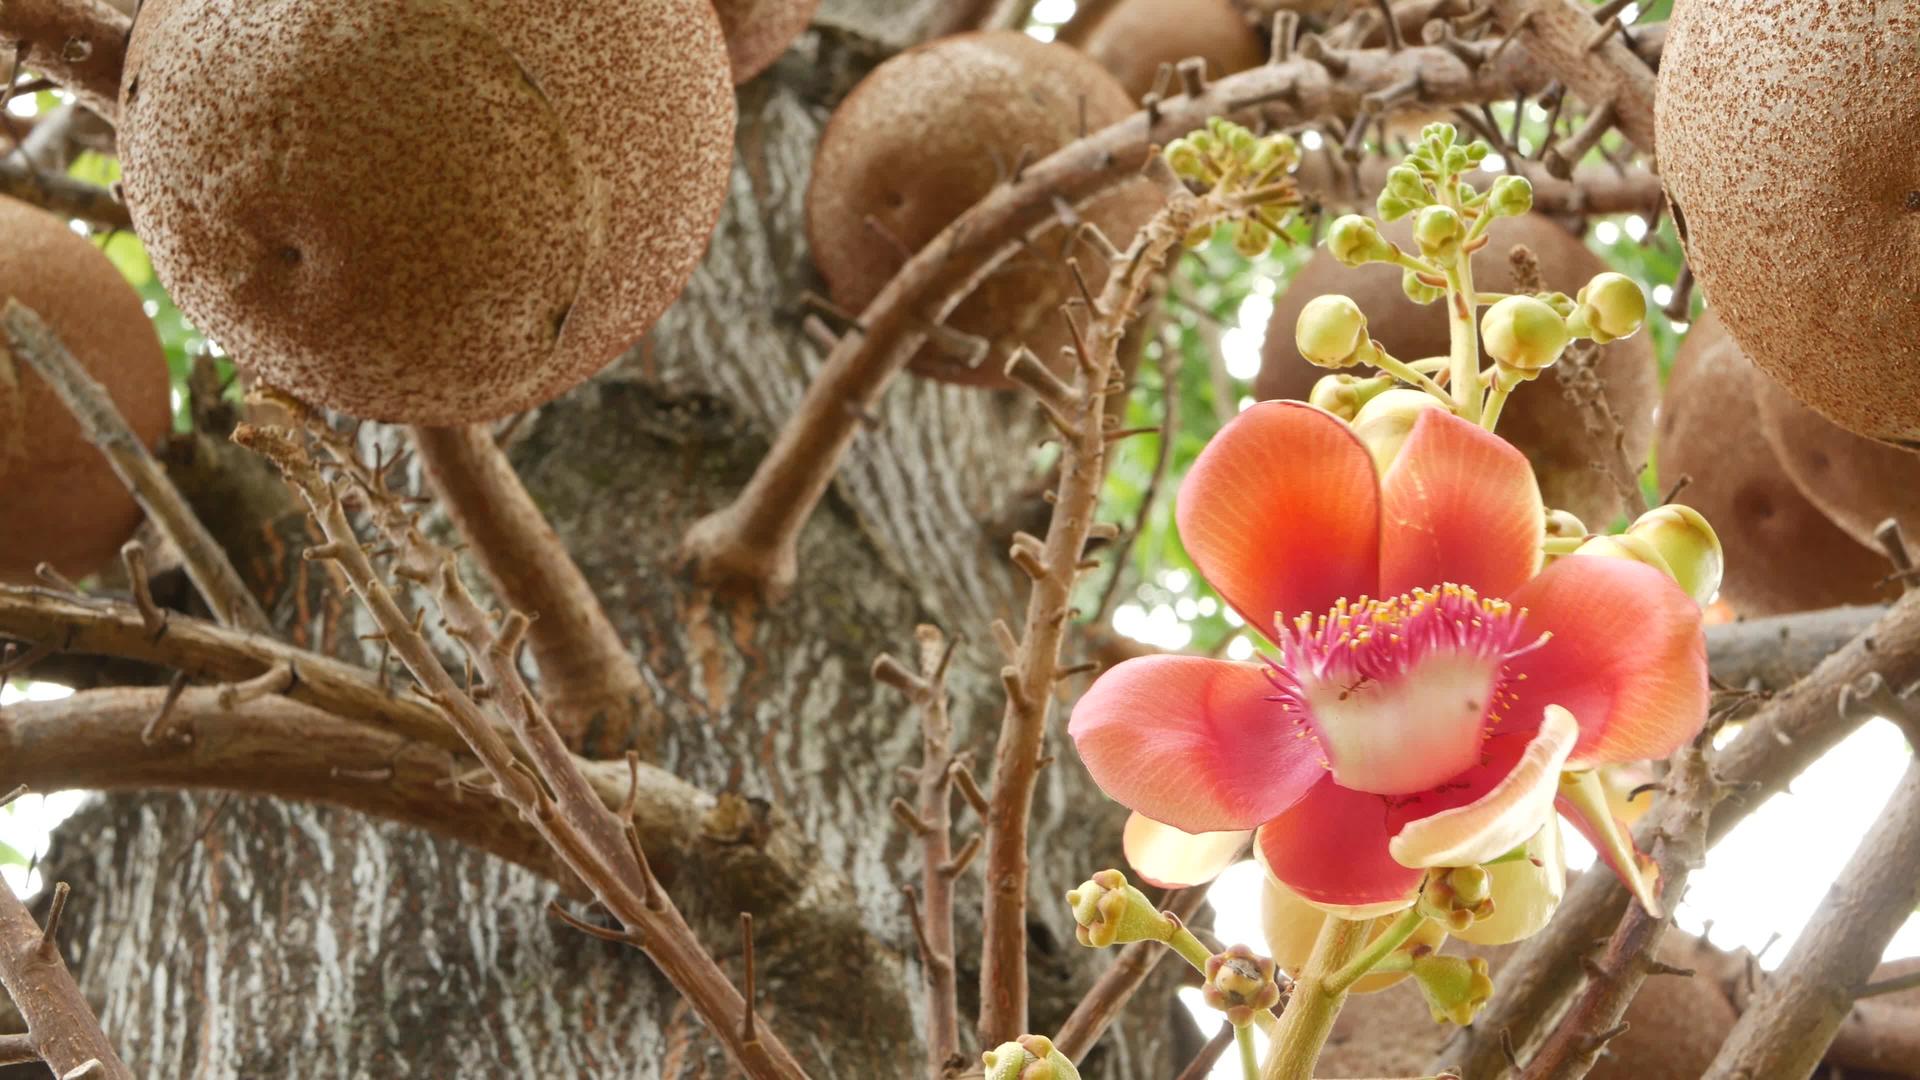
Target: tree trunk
column 229, row 936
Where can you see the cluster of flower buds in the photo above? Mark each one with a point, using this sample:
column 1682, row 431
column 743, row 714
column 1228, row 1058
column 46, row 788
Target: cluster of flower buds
column 1456, row 897
column 1456, row 987
column 1436, row 163
column 1108, row 910
column 1240, row 983
column 1030, row 1057
column 1525, row 334
column 1673, row 539
column 1226, row 156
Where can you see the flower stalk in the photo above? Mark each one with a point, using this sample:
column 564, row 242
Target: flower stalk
column 1315, row 1004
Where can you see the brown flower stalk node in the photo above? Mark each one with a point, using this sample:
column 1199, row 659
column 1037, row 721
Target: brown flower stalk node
column 536, row 773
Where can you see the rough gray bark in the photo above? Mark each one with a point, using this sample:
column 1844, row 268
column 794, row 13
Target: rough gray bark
column 238, row 937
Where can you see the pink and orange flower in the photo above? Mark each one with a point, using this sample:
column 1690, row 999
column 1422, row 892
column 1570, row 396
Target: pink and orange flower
column 1430, row 682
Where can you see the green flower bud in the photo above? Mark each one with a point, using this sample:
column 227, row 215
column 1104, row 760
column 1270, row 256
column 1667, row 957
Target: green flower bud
column 1456, row 160
column 1384, row 423
column 1526, row 890
column 1109, row 910
column 1469, row 884
column 1478, row 150
column 1438, row 135
column 1524, row 333
column 1510, row 196
column 1626, row 546
column 1240, row 983
column 1438, row 230
column 1392, row 207
column 1457, row 897
column 1456, row 988
column 1419, row 291
column 1562, row 523
column 1186, row 160
column 1356, row 241
column 1252, row 239
column 1277, row 153
column 1343, row 394
column 1030, row 1057
column 1688, row 545
column 1403, row 181
column 1611, row 306
column 1330, row 331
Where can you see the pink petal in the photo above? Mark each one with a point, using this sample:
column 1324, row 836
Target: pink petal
column 1627, row 658
column 1193, row 742
column 1331, row 848
column 1501, row 816
column 1459, row 505
column 1163, row 855
column 1409, row 734
column 1281, row 513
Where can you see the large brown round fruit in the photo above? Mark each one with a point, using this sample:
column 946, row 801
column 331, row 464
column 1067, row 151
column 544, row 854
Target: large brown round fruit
column 1856, row 481
column 60, row 501
column 926, row 136
column 1789, row 141
column 1538, row 419
column 1782, row 554
column 758, row 31
column 1134, row 37
column 422, row 212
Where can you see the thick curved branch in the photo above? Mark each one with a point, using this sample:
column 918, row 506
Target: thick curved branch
column 60, row 194
column 751, row 543
column 61, row 1028
column 1592, row 60
column 589, row 682
column 79, row 44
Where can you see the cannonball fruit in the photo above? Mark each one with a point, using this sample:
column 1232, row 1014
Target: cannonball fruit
column 429, row 213
column 1134, row 37
column 1856, row 481
column 926, row 136
column 60, row 501
column 758, row 31
column 1789, row 142
column 1782, row 554
column 1538, row 418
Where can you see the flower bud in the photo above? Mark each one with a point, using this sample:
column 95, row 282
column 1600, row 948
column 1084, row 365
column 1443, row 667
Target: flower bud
column 1477, row 151
column 1524, row 333
column 1330, row 331
column 1391, row 207
column 1438, row 230
column 1356, row 241
column 1525, row 889
column 1625, row 546
column 1688, row 545
column 1609, row 307
column 1276, row 153
column 1384, row 423
column 1440, row 134
column 1403, row 182
column 1562, row 524
column 1343, row 394
column 1457, row 897
column 1510, row 196
column 1240, row 983
column 1456, row 159
column 1419, row 291
column 1252, row 238
column 1456, row 988
column 1030, row 1057
column 1186, row 160
column 1109, row 910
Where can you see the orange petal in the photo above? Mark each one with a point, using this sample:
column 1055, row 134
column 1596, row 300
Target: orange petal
column 1459, row 505
column 1163, row 855
column 1281, row 513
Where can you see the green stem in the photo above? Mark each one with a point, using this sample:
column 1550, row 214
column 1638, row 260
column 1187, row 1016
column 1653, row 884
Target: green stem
column 1396, row 935
column 1463, row 338
column 1311, row 1009
column 1495, row 402
column 1407, row 373
column 1191, row 949
column 1486, row 298
column 1561, row 545
column 1414, row 263
column 1249, row 1056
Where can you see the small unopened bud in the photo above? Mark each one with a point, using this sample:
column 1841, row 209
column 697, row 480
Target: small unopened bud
column 1626, row 546
column 1689, row 546
column 1418, row 291
column 1525, row 334
column 1030, row 1057
column 1456, row 988
column 1609, row 307
column 1403, row 181
column 1384, row 423
column 1277, row 153
column 1186, row 160
column 1109, row 910
column 1562, row 524
column 1456, row 159
column 1438, row 230
column 1469, row 884
column 1456, row 898
column 1526, row 889
column 1510, row 196
column 1331, row 331
column 1439, row 135
column 1251, row 238
column 1240, row 983
column 1343, row 395
column 1356, row 241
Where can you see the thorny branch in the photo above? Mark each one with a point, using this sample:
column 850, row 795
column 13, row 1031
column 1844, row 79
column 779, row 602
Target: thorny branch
column 1079, row 413
column 550, row 792
column 207, row 564
column 1600, row 68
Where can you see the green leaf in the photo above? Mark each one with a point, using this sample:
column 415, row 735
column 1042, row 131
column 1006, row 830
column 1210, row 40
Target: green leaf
column 10, row 856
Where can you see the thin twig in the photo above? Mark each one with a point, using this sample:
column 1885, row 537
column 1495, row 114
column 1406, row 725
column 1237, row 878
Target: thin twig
column 1169, row 431
column 1202, row 1064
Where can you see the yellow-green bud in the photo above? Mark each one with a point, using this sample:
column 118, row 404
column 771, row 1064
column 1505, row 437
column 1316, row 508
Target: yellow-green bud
column 1438, row 135
column 1392, row 207
column 1438, row 230
column 1403, row 181
column 1343, row 395
column 1030, row 1057
column 1456, row 159
column 1277, row 153
column 1609, row 307
column 1626, row 546
column 1186, row 159
column 1470, row 884
column 1384, row 423
column 1510, row 196
column 1562, row 524
column 1524, row 333
column 1689, row 546
column 1456, row 898
column 1419, row 291
column 1330, row 331
column 1456, row 988
column 1252, row 239
column 1109, row 910
column 1355, row 241
column 1240, row 983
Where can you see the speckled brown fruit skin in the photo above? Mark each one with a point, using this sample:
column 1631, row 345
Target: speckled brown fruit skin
column 1856, row 481
column 1133, row 38
column 1538, row 419
column 758, row 31
column 926, row 136
column 62, row 503
column 1782, row 554
column 1789, row 141
column 438, row 214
